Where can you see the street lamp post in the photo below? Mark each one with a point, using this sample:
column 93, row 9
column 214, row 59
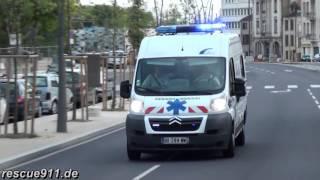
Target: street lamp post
column 62, row 116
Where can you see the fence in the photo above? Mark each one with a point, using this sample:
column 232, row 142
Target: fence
column 12, row 87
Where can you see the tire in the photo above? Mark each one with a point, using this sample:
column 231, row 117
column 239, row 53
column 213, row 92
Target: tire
column 229, row 152
column 39, row 113
column 133, row 155
column 241, row 139
column 54, row 108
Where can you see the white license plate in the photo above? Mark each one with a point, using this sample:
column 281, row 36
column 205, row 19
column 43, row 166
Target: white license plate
column 175, row 140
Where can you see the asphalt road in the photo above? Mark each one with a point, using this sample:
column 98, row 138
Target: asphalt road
column 282, row 136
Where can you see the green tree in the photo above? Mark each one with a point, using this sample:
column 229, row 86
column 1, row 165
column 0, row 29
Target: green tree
column 138, row 20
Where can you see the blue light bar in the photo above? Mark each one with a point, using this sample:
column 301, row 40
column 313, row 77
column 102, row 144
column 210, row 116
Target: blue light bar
column 166, row 29
column 209, row 28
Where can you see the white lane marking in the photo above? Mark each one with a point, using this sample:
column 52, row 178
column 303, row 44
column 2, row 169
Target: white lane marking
column 67, row 148
column 269, row 87
column 314, row 98
column 248, row 71
column 148, row 171
column 288, row 70
column 284, row 91
column 292, row 86
column 249, row 87
column 315, row 86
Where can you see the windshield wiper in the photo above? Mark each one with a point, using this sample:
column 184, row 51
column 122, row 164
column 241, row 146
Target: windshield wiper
column 148, row 90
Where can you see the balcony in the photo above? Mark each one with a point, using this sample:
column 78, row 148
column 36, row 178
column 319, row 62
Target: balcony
column 311, row 37
column 310, row 15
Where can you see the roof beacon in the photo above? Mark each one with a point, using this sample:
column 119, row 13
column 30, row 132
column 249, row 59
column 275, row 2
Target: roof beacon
column 207, row 28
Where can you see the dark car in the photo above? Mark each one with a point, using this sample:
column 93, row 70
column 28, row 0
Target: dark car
column 20, row 98
column 306, row 58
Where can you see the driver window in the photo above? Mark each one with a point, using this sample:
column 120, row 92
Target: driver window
column 231, row 74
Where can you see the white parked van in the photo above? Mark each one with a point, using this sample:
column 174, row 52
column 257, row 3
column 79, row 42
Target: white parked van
column 188, row 92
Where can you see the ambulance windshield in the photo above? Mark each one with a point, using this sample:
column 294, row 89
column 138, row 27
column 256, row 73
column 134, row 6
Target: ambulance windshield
column 180, row 76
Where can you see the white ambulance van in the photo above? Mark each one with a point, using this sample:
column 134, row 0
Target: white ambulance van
column 188, row 92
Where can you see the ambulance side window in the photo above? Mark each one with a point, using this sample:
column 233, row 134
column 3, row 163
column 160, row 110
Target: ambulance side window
column 243, row 72
column 231, row 74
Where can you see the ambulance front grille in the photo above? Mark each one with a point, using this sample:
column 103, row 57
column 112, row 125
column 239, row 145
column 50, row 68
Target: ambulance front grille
column 183, row 124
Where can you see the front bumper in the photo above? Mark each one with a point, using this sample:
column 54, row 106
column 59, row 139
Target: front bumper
column 217, row 133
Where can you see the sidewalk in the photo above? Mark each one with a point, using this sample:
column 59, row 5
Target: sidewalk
column 45, row 129
column 304, row 65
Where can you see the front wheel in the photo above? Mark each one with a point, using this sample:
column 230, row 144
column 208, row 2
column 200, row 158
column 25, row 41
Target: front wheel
column 54, row 108
column 229, row 152
column 241, row 139
column 133, row 155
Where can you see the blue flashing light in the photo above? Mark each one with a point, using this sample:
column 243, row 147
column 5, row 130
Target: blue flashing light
column 166, row 29
column 209, row 28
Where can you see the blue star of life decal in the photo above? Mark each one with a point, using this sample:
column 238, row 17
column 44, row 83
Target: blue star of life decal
column 176, row 106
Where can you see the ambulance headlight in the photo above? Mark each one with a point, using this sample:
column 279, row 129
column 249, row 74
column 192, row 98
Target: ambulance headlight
column 136, row 106
column 219, row 104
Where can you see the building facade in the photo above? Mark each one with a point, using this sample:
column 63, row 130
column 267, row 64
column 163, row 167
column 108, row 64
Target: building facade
column 232, row 11
column 267, row 28
column 310, row 26
column 246, row 35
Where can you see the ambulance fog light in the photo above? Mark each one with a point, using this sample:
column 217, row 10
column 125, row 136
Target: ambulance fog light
column 219, row 105
column 136, row 106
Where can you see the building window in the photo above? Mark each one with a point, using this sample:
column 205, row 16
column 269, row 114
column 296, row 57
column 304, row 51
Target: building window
column 287, row 40
column 292, row 40
column 258, row 8
column 291, row 25
column 275, row 6
column 287, row 55
column 244, row 26
column 286, row 26
column 275, row 25
column 258, row 24
column 245, row 39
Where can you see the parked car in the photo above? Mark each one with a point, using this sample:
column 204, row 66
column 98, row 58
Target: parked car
column 20, row 98
column 99, row 90
column 117, row 61
column 77, row 85
column 306, row 58
column 316, row 58
column 47, row 85
column 3, row 106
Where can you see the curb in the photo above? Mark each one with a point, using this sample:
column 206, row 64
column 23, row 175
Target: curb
column 33, row 154
column 301, row 67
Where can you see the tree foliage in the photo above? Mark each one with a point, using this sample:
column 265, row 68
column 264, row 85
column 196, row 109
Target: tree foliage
column 34, row 19
column 138, row 20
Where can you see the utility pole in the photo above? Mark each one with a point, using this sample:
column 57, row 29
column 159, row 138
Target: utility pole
column 249, row 26
column 62, row 116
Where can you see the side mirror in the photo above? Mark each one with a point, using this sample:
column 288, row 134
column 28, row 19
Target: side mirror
column 125, row 88
column 239, row 88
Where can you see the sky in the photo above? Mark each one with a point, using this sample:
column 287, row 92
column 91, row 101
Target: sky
column 149, row 3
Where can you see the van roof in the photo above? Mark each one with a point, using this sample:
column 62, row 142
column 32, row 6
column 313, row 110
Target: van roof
column 184, row 45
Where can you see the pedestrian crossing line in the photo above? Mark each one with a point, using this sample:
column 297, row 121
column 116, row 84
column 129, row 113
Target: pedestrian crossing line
column 315, row 86
column 269, row 87
column 314, row 98
column 292, row 86
column 317, row 102
column 319, row 106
